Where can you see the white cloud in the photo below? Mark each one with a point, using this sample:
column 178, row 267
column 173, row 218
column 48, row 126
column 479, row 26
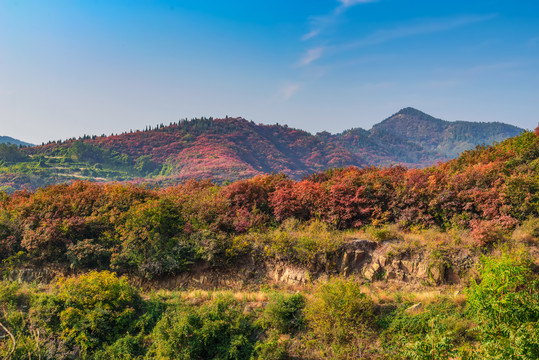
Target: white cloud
column 349, row 3
column 311, row 55
column 311, row 34
column 319, row 23
column 289, row 90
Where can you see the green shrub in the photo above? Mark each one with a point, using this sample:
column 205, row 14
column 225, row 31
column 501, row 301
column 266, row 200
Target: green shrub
column 341, row 315
column 284, row 313
column 87, row 254
column 434, row 331
column 272, row 348
column 18, row 336
column 152, row 241
column 125, row 348
column 96, row 308
column 9, row 293
column 505, row 305
column 218, row 330
column 435, row 345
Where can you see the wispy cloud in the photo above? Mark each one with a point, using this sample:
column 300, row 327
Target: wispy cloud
column 289, row 90
column 482, row 68
column 382, row 36
column 486, row 67
column 450, row 77
column 319, row 23
column 311, row 34
column 311, row 55
column 350, row 3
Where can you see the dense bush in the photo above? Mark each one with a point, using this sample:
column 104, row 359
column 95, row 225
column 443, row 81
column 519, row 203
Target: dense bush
column 432, row 331
column 341, row 316
column 215, row 331
column 11, row 153
column 100, row 316
column 96, row 309
column 506, row 307
column 284, row 313
column 152, row 240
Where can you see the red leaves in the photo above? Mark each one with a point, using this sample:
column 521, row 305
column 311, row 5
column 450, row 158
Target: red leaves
column 301, row 200
column 486, row 232
column 487, row 189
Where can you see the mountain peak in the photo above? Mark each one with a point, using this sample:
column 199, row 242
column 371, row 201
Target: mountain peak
column 410, row 111
column 407, row 119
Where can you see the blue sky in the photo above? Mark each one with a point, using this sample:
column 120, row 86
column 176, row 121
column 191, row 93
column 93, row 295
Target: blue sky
column 74, row 67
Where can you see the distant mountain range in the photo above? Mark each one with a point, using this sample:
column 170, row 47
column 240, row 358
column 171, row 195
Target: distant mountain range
column 234, row 148
column 10, row 140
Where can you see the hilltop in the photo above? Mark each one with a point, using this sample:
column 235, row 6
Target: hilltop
column 10, row 140
column 234, row 148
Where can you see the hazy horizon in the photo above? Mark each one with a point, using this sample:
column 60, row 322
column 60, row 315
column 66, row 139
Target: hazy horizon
column 69, row 68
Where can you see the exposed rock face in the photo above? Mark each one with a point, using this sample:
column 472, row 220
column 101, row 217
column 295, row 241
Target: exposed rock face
column 355, row 255
column 288, row 274
column 28, row 275
column 422, row 265
column 361, row 258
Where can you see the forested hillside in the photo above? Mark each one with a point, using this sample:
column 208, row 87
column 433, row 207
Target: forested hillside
column 396, row 234
column 444, row 137
column 486, row 189
column 234, row 148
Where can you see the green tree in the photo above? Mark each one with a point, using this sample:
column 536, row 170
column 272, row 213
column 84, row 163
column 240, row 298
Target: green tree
column 11, row 153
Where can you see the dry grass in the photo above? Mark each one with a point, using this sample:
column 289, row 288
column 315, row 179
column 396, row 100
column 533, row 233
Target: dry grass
column 435, row 238
column 386, row 293
column 527, row 233
column 410, row 240
column 204, row 295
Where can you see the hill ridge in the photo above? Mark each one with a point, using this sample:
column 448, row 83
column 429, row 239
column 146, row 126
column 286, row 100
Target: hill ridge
column 13, row 141
column 233, row 148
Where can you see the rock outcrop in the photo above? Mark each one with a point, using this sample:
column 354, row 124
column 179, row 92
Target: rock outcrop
column 370, row 260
